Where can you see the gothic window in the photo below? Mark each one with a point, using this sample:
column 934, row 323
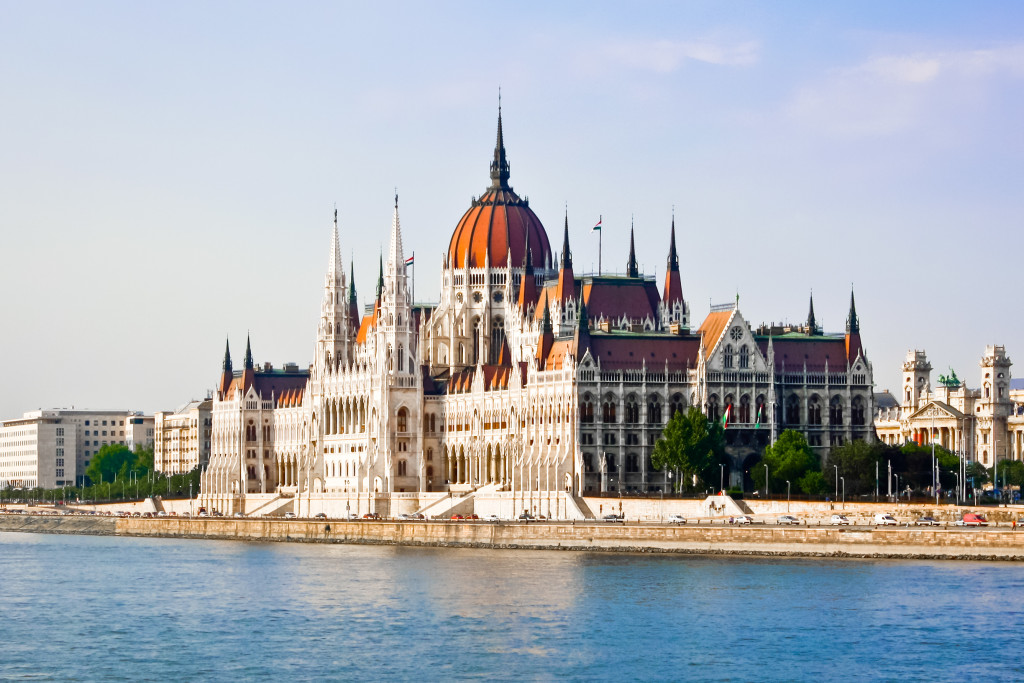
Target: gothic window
column 403, row 420
column 609, row 463
column 430, row 455
column 497, row 339
column 793, row 410
column 759, row 416
column 835, row 411
column 714, row 410
column 609, row 439
column 744, row 412
column 588, row 463
column 462, row 353
column 653, row 410
column 608, row 410
column 744, row 357
column 727, row 356
column 857, row 411
column 677, row 404
column 814, row 411
column 401, row 468
column 401, row 358
column 632, row 410
column 632, row 463
column 476, row 340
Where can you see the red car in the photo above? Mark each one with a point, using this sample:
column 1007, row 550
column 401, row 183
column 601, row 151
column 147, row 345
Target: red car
column 971, row 519
column 457, row 516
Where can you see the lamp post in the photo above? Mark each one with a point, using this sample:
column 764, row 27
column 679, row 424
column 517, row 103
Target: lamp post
column 766, row 489
column 837, row 479
column 844, row 492
column 721, row 477
column 787, row 495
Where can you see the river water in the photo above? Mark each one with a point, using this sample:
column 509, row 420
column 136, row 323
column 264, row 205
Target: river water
column 87, row 608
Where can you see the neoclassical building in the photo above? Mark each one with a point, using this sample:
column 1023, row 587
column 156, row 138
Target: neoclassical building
column 983, row 424
column 526, row 387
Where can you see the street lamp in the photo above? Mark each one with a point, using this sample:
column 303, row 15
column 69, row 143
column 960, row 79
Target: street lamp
column 721, row 478
column 844, row 491
column 766, row 480
column 787, row 495
column 837, row 479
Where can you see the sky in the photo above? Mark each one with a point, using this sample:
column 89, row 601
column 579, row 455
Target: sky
column 169, row 171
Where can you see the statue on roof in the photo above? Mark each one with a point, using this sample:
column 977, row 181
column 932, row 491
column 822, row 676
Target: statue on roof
column 951, row 381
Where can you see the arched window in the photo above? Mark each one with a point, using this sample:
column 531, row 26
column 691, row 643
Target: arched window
column 608, row 409
column 403, row 420
column 727, row 356
column 632, row 410
column 857, row 411
column 587, row 410
column 835, row 411
column 677, row 404
column 744, row 412
column 401, row 358
column 714, row 409
column 814, row 411
column 793, row 410
column 653, row 410
column 497, row 339
column 744, row 357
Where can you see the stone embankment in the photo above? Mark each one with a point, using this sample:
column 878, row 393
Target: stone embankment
column 765, row 540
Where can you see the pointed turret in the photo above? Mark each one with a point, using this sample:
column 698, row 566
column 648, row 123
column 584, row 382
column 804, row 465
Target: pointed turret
column 380, row 279
column 673, row 306
column 499, row 166
column 527, row 284
column 632, row 270
column 248, row 353
column 547, row 336
column 335, row 271
column 812, row 325
column 853, row 344
column 226, row 370
column 582, row 334
column 566, row 280
column 353, row 301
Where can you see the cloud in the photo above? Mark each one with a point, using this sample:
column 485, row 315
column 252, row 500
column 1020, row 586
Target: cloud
column 891, row 93
column 668, row 56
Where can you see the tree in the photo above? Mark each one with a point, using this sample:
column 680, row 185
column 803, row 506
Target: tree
column 143, row 460
column 978, row 473
column 108, row 461
column 813, row 483
column 1011, row 473
column 691, row 445
column 788, row 459
column 857, row 462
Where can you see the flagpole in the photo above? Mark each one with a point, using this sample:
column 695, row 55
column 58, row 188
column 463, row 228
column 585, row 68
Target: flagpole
column 600, row 234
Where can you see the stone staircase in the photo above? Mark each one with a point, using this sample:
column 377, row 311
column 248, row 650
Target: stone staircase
column 277, row 504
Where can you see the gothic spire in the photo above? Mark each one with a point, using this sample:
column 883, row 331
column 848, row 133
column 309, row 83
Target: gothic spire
column 631, row 267
column 852, row 321
column 812, row 325
column 227, row 356
column 566, row 254
column 248, row 353
column 396, row 251
column 334, row 267
column 499, row 167
column 352, row 283
column 380, row 278
column 545, row 327
column 673, row 259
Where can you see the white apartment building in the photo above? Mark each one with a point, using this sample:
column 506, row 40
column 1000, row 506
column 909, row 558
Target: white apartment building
column 51, row 448
column 182, row 437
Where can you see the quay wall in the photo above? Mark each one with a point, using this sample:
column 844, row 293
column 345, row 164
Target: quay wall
column 766, row 540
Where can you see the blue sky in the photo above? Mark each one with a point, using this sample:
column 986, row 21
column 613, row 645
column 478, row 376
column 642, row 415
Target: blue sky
column 169, row 170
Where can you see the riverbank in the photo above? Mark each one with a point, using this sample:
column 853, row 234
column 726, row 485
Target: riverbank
column 763, row 540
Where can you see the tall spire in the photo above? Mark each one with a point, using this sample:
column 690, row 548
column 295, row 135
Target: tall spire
column 227, row 357
column 631, row 268
column 852, row 321
column 380, row 279
column 396, row 252
column 499, row 166
column 566, row 254
column 673, row 258
column 248, row 353
column 352, row 283
column 812, row 325
column 334, row 267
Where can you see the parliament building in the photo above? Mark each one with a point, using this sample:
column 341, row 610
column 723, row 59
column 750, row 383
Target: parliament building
column 527, row 386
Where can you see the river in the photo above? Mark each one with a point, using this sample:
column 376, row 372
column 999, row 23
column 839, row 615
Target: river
column 88, row 608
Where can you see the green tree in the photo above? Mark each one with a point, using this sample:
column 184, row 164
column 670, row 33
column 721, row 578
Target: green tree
column 690, row 445
column 108, row 461
column 1011, row 473
column 978, row 473
column 143, row 460
column 857, row 462
column 788, row 459
column 813, row 483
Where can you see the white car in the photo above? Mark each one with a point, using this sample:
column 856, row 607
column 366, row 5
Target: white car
column 787, row 519
column 676, row 519
column 883, row 519
column 289, row 515
column 742, row 519
column 492, row 518
column 839, row 520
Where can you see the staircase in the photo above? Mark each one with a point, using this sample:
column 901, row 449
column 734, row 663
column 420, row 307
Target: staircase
column 462, row 503
column 277, row 505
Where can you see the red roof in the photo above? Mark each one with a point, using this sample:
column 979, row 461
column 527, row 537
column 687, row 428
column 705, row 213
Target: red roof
column 497, row 222
column 613, row 298
column 713, row 327
column 623, row 351
column 791, row 353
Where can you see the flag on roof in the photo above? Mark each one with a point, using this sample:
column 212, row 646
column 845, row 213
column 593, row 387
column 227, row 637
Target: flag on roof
column 409, row 261
column 598, row 225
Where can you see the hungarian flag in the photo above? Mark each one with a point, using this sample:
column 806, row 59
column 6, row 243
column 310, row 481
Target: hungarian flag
column 725, row 418
column 757, row 425
column 598, row 226
column 409, row 260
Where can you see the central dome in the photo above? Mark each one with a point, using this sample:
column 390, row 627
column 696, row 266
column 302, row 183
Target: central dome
column 498, row 225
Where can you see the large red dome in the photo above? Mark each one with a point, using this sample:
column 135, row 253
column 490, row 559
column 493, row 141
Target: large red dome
column 498, row 224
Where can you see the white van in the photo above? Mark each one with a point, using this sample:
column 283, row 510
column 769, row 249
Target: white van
column 885, row 519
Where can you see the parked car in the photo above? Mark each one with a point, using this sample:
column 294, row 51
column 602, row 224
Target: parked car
column 238, row 515
column 492, row 518
column 419, row 515
column 371, row 515
column 320, row 515
column 526, row 516
column 885, row 519
column 742, row 519
column 839, row 520
column 787, row 519
column 289, row 515
column 457, row 516
column 926, row 521
column 972, row 519
column 404, row 516
column 676, row 519
column 615, row 518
